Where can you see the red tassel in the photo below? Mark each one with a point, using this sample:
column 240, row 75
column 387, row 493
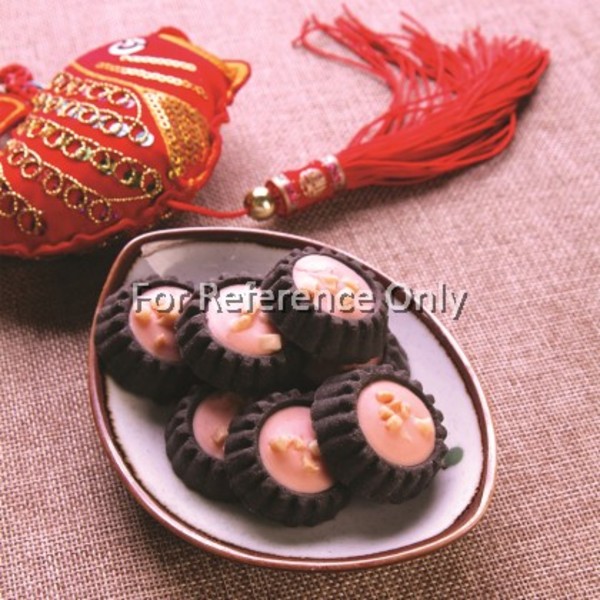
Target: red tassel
column 450, row 108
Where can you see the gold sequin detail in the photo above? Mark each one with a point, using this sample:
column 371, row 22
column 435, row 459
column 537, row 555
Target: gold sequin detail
column 68, row 85
column 153, row 76
column 74, row 194
column 172, row 63
column 126, row 170
column 184, row 130
column 28, row 219
column 235, row 71
column 107, row 121
column 186, row 134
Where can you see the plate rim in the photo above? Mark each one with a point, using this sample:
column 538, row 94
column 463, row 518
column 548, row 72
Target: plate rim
column 471, row 515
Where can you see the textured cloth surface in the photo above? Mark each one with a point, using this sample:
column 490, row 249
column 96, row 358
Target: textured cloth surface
column 519, row 233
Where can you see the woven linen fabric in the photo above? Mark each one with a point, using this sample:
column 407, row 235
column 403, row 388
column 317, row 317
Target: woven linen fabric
column 519, row 234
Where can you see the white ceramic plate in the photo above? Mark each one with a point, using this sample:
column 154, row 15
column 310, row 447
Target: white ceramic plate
column 363, row 534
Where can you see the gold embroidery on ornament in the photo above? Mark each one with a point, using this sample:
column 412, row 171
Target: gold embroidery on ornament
column 160, row 61
column 153, row 76
column 107, row 121
column 235, row 72
column 108, row 161
column 28, row 219
column 68, row 85
column 167, row 134
column 184, row 130
column 73, row 194
column 313, row 182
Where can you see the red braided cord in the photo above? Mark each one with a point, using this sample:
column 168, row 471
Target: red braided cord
column 207, row 212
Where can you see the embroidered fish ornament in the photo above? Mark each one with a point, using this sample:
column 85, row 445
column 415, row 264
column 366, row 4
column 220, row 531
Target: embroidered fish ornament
column 122, row 136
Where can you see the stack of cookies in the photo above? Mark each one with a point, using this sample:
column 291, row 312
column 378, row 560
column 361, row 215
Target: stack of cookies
column 290, row 393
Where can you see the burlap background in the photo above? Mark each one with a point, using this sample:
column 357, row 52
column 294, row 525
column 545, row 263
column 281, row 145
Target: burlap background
column 520, row 234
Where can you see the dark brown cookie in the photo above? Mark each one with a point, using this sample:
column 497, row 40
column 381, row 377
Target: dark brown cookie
column 224, row 361
column 329, row 316
column 395, row 355
column 143, row 362
column 274, row 466
column 379, row 433
column 195, row 438
column 317, row 371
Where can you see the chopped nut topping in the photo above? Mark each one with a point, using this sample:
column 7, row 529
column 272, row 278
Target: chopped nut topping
column 143, row 316
column 394, row 423
column 384, row 397
column 350, row 283
column 385, row 413
column 397, row 405
column 241, row 323
column 405, row 410
column 163, row 306
column 219, row 436
column 313, row 448
column 280, row 443
column 424, row 426
column 330, row 279
column 160, row 341
column 309, row 463
column 168, row 319
column 270, row 342
column 297, row 443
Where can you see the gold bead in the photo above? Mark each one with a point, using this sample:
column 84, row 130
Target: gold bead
column 260, row 204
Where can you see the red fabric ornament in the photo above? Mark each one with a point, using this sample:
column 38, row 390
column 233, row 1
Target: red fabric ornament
column 120, row 137
column 450, row 108
column 130, row 131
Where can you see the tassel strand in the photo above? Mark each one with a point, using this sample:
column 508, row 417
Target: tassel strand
column 450, row 108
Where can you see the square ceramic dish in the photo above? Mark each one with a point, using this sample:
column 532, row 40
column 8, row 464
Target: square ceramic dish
column 363, row 534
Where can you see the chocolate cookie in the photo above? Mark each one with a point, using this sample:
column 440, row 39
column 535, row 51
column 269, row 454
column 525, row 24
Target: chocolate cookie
column 195, row 439
column 379, row 433
column 317, row 371
column 328, row 305
column 274, row 464
column 230, row 342
column 135, row 338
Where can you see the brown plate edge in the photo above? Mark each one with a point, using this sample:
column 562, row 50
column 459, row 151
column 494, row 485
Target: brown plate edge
column 464, row 523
